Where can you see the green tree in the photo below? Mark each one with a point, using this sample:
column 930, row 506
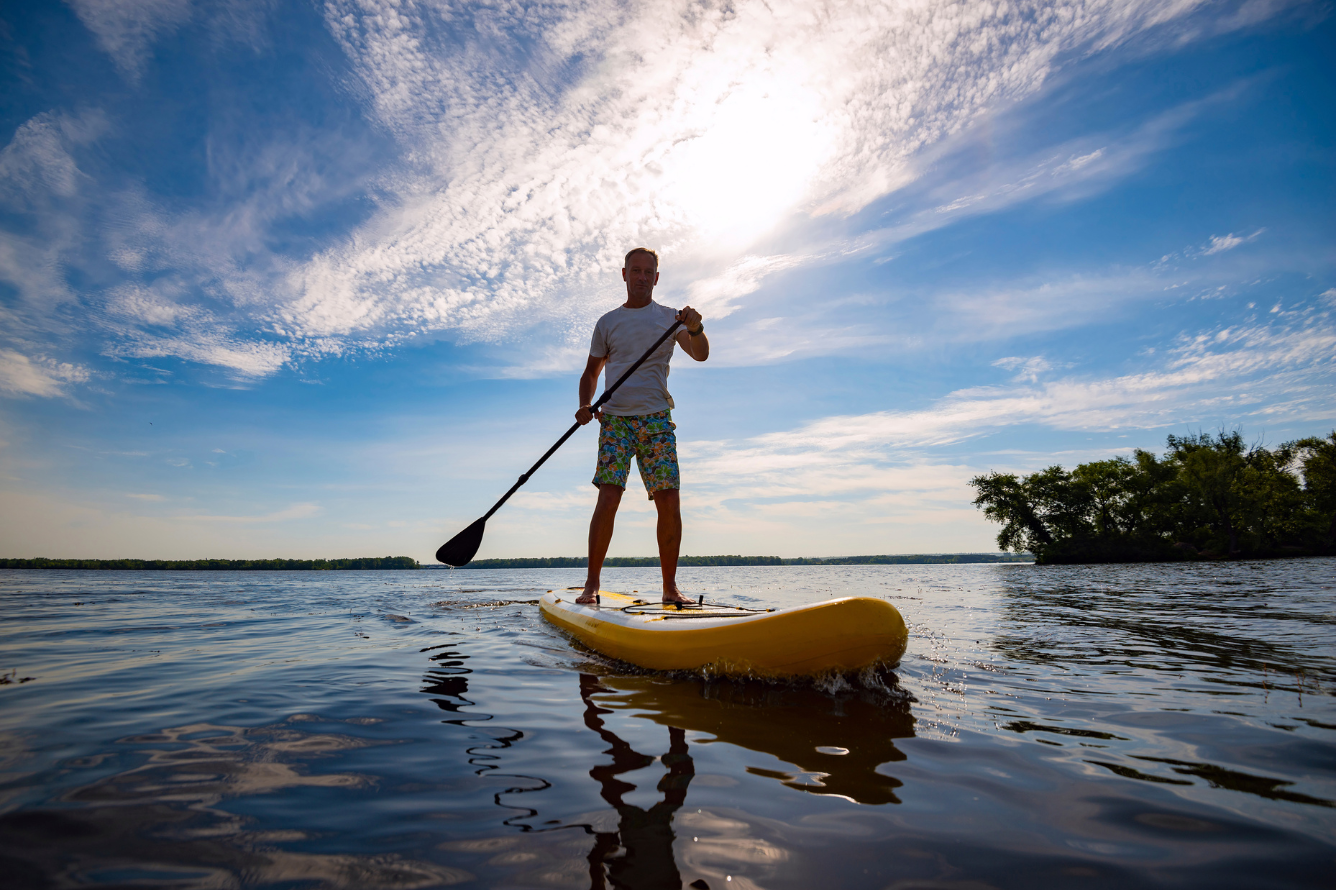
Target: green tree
column 1211, row 492
column 1108, row 488
column 1007, row 500
column 1271, row 501
column 1317, row 458
column 1209, row 468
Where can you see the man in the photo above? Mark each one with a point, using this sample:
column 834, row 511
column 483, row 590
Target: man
column 637, row 419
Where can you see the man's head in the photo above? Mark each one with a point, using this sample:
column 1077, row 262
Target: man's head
column 652, row 254
column 640, row 271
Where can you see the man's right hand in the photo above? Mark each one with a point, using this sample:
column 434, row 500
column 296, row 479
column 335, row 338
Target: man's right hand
column 586, row 414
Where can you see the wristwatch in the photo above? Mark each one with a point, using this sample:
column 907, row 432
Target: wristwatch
column 700, row 330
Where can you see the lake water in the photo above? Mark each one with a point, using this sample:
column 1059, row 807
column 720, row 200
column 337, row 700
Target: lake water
column 1049, row 726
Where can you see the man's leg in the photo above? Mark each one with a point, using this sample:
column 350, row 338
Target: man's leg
column 615, row 447
column 600, row 536
column 656, row 458
column 669, row 504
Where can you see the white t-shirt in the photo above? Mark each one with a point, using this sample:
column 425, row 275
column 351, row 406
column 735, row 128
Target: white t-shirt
column 623, row 335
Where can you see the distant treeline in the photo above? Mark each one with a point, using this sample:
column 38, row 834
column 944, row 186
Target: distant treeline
column 286, row 565
column 1208, row 497
column 580, row 562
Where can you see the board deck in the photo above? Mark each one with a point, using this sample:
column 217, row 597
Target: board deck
column 835, row 635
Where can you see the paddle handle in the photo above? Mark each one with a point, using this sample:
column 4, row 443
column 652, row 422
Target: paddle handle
column 607, row 394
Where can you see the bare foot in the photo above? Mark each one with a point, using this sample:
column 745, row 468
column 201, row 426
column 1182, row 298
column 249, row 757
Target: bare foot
column 588, row 598
column 675, row 596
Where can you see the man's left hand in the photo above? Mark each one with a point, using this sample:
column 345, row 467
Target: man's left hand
column 690, row 318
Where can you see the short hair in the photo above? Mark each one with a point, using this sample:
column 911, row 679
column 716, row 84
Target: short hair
column 635, row 250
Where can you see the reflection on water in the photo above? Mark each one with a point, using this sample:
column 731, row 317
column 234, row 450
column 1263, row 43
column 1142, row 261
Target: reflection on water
column 639, row 854
column 1048, row 727
column 836, row 741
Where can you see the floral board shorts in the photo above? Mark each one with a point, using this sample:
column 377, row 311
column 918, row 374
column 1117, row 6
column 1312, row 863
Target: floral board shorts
column 651, row 439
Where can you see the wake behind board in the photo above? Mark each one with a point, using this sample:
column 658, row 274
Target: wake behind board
column 836, row 635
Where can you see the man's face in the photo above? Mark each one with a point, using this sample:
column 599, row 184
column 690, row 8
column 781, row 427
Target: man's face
column 641, row 274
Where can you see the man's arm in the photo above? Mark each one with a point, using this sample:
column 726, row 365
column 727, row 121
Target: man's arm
column 588, row 382
column 695, row 345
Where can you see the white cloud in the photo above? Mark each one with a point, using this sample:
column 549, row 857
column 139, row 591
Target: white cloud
column 693, row 128
column 38, row 159
column 154, row 305
column 538, row 142
column 24, row 376
column 246, row 358
column 1027, row 369
column 126, row 29
column 39, row 181
column 1008, row 184
column 1221, row 243
column 153, row 322
column 717, row 296
column 200, row 281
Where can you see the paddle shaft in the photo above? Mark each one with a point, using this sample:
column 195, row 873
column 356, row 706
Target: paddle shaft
column 607, row 394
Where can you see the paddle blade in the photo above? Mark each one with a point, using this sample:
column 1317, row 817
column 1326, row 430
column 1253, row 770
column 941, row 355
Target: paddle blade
column 460, row 549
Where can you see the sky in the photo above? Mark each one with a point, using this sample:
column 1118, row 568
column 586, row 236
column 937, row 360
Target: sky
column 317, row 279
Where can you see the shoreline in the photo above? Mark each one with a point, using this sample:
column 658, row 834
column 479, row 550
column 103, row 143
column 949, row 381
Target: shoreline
column 397, row 563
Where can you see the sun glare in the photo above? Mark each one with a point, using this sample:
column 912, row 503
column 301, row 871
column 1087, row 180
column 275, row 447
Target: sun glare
column 751, row 163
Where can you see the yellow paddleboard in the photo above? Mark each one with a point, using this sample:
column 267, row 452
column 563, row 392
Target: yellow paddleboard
column 836, row 635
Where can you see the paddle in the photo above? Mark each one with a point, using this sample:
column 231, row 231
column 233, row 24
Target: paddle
column 460, row 549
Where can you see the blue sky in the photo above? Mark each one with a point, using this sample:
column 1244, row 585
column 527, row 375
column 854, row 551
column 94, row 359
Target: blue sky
column 317, row 279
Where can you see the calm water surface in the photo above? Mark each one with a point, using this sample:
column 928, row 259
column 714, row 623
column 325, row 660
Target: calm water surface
column 1061, row 726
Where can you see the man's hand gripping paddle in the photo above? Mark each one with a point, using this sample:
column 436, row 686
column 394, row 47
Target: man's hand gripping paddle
column 460, row 549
